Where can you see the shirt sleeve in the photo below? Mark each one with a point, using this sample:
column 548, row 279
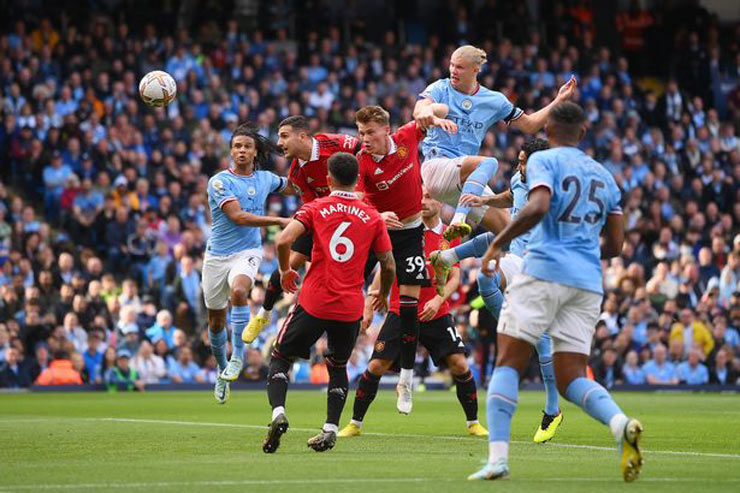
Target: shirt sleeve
column 615, row 198
column 434, row 91
column 410, row 133
column 220, row 190
column 540, row 173
column 381, row 242
column 277, row 183
column 304, row 215
column 505, row 109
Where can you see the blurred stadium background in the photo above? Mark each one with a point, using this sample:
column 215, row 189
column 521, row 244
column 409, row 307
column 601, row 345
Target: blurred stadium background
column 103, row 218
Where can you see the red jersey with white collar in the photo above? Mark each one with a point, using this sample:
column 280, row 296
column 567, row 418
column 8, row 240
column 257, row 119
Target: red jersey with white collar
column 433, row 240
column 393, row 182
column 309, row 177
column 344, row 229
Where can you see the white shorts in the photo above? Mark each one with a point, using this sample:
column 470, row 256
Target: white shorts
column 441, row 177
column 533, row 306
column 510, row 265
column 219, row 272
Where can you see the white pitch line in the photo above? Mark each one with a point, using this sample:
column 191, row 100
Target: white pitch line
column 258, row 482
column 409, row 435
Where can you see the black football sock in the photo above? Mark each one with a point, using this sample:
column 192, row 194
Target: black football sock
column 467, row 394
column 367, row 389
column 277, row 380
column 338, row 388
column 409, row 331
column 273, row 291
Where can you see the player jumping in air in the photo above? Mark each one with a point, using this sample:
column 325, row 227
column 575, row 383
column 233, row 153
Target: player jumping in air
column 307, row 177
column 572, row 199
column 345, row 230
column 492, row 288
column 451, row 165
column 437, row 333
column 234, row 252
column 391, row 178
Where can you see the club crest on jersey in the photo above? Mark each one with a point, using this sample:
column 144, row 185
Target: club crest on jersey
column 444, row 244
column 466, row 104
column 218, row 186
column 379, row 346
column 251, row 191
column 402, row 152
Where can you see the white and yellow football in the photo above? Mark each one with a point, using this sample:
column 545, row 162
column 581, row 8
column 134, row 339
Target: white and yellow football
column 157, row 88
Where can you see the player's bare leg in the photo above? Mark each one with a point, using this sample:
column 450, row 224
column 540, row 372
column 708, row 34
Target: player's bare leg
column 409, row 315
column 217, row 337
column 595, row 400
column 475, row 173
column 273, row 291
column 367, row 389
column 240, row 287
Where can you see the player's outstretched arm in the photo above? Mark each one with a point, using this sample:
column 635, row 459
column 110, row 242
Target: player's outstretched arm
column 387, row 275
column 501, row 200
column 283, row 242
column 613, row 234
column 534, row 122
column 241, row 218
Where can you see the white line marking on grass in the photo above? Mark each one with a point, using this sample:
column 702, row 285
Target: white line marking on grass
column 267, row 482
column 410, row 435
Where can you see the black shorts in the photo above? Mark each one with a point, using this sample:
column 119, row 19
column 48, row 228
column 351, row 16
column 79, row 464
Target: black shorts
column 301, row 331
column 303, row 244
column 408, row 252
column 439, row 336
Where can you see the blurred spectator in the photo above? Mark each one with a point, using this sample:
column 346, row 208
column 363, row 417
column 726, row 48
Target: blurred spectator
column 93, row 358
column 60, row 372
column 692, row 332
column 723, row 372
column 659, row 371
column 183, row 369
column 15, row 372
column 255, row 369
column 150, row 367
column 633, row 374
column 162, row 329
column 122, row 376
column 692, row 371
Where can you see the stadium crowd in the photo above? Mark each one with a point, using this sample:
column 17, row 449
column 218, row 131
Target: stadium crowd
column 103, row 218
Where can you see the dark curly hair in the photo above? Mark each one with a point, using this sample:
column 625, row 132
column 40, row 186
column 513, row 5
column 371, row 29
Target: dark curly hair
column 535, row 145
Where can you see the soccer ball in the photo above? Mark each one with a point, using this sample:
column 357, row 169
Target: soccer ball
column 157, row 88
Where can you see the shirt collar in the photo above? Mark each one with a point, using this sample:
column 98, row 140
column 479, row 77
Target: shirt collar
column 314, row 152
column 391, row 150
column 438, row 228
column 344, row 195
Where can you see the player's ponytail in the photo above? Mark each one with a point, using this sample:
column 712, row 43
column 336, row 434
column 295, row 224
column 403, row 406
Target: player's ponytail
column 475, row 55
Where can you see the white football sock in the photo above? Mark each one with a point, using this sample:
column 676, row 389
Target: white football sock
column 277, row 412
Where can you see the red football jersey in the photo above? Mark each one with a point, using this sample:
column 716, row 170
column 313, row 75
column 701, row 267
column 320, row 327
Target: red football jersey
column 310, row 177
column 394, row 182
column 344, row 230
column 433, row 240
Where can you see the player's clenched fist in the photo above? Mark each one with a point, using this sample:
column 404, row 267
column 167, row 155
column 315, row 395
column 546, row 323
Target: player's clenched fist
column 289, row 281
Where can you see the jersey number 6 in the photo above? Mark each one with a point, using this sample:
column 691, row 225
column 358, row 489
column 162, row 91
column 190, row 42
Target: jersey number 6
column 337, row 239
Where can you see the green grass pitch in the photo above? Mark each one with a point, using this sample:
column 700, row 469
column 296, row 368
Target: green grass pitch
column 184, row 441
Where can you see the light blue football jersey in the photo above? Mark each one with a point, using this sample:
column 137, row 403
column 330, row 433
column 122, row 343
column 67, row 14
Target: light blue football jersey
column 251, row 191
column 474, row 115
column 519, row 192
column 564, row 246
